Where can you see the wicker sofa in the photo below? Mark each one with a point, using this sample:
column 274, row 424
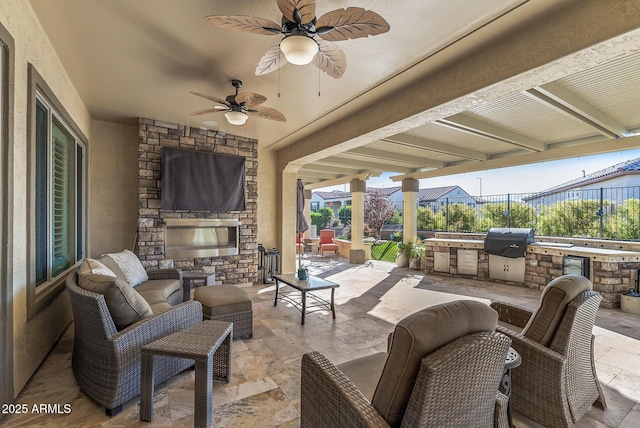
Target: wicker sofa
column 106, row 362
column 557, row 382
column 442, row 369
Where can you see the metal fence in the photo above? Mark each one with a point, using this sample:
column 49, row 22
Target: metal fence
column 605, row 213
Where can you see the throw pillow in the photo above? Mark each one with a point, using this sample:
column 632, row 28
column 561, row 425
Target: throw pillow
column 93, row 266
column 130, row 266
column 125, row 304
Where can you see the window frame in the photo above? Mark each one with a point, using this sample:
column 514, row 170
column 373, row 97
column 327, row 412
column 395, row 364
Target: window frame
column 40, row 295
column 7, row 76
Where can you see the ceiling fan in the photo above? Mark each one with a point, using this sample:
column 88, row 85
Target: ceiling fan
column 240, row 107
column 307, row 38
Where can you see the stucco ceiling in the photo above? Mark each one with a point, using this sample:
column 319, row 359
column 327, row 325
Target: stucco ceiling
column 131, row 59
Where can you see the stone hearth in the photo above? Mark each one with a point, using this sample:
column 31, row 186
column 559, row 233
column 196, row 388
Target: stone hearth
column 153, row 135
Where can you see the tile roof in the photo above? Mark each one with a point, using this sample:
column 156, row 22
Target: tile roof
column 434, row 193
column 384, row 191
column 336, row 194
column 603, row 174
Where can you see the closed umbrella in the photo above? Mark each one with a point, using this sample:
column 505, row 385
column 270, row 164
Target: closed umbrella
column 301, row 221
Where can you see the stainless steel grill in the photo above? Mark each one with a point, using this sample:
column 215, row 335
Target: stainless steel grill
column 508, row 242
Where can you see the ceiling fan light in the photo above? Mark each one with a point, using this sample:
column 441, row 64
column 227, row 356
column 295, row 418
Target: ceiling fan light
column 236, row 117
column 299, row 49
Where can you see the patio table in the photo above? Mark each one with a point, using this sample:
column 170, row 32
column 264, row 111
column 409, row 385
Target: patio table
column 312, row 283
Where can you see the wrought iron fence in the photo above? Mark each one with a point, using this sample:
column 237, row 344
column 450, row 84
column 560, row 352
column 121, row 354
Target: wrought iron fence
column 605, row 213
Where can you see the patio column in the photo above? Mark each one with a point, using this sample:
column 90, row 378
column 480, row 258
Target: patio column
column 357, row 254
column 410, row 187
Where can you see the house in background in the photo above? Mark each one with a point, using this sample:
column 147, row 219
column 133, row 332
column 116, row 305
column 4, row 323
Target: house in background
column 432, row 197
column 618, row 182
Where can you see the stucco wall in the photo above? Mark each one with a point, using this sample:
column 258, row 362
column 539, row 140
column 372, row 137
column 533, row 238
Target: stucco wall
column 267, row 203
column 32, row 339
column 113, row 188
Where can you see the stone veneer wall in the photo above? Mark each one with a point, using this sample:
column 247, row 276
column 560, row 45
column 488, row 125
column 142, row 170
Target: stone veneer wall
column 153, row 135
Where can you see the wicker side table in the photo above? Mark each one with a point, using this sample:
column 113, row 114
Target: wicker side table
column 209, row 345
column 190, row 276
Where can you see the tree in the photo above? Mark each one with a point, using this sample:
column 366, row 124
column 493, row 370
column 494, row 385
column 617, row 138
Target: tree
column 327, row 216
column 624, row 223
column 572, row 218
column 461, row 217
column 501, row 214
column 377, row 211
column 428, row 220
column 344, row 214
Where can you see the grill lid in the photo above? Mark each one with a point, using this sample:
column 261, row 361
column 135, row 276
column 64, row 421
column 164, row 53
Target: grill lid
column 508, row 242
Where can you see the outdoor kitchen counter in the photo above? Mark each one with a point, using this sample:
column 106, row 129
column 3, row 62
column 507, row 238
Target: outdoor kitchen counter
column 599, row 254
column 612, row 270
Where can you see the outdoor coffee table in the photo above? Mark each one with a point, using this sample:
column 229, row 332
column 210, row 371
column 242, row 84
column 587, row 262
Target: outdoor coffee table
column 313, row 283
column 209, row 345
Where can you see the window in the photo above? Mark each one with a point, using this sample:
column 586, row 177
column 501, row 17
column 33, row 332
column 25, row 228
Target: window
column 57, row 201
column 315, row 206
column 58, row 195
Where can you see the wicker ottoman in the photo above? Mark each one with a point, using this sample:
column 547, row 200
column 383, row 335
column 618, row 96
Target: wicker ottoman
column 227, row 303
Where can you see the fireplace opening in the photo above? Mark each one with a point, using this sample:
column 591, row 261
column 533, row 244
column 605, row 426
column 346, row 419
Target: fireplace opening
column 194, row 238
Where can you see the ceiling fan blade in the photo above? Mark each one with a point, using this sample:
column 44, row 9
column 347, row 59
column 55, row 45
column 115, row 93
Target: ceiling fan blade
column 204, row 111
column 220, row 108
column 272, row 60
column 250, row 99
column 267, row 113
column 350, row 23
column 210, row 98
column 330, row 59
column 249, row 24
column 306, row 10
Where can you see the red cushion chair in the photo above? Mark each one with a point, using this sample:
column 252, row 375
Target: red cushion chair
column 327, row 241
column 299, row 243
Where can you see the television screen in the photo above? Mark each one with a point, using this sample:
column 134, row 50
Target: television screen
column 202, row 181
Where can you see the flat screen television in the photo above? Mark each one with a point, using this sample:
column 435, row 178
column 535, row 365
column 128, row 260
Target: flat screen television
column 202, row 181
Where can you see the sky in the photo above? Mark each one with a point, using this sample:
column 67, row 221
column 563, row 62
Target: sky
column 517, row 179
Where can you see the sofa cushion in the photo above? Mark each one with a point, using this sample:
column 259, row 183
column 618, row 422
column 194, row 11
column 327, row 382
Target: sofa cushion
column 94, row 266
column 166, row 286
column 129, row 264
column 417, row 336
column 125, row 303
column 554, row 300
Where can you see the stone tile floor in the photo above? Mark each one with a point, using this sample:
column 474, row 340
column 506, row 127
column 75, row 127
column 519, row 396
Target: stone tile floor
column 265, row 386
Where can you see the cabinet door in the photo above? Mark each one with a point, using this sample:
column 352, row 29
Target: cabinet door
column 515, row 270
column 441, row 261
column 497, row 269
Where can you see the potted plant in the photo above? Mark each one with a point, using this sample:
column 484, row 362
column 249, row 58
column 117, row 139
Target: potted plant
column 630, row 301
column 404, row 253
column 303, row 273
column 415, row 256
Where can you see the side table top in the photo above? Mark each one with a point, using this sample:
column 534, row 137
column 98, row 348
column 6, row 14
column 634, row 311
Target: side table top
column 199, row 339
column 196, row 274
column 513, row 359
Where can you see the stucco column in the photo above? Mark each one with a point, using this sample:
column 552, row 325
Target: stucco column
column 357, row 254
column 410, row 187
column 288, row 235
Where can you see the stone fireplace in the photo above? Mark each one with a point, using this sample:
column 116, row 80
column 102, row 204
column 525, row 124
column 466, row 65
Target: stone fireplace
column 224, row 242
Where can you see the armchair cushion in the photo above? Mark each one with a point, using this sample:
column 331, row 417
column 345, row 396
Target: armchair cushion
column 130, row 266
column 125, row 304
column 556, row 296
column 93, row 266
column 412, row 342
column 364, row 372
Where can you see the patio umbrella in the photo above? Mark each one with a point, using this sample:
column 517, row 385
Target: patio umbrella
column 301, row 221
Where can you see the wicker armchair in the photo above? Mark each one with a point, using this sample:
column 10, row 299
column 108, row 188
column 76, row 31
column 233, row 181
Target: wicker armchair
column 106, row 362
column 557, row 382
column 442, row 369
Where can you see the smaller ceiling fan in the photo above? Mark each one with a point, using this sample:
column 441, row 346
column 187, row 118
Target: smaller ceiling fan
column 306, row 38
column 241, row 107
